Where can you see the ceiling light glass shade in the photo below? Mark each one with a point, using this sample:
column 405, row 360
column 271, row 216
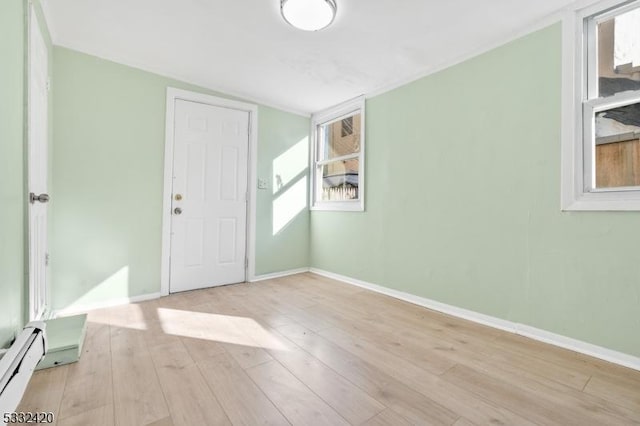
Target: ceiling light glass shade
column 308, row 15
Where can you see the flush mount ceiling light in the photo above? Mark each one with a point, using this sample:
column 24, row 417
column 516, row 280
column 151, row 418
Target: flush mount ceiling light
column 308, row 15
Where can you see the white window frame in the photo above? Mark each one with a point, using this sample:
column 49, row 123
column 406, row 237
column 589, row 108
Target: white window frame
column 339, row 112
column 578, row 109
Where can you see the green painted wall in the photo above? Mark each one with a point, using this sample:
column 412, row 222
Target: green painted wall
column 282, row 136
column 12, row 51
column 13, row 243
column 463, row 203
column 109, row 122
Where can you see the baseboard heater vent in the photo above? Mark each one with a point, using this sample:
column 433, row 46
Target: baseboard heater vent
column 17, row 365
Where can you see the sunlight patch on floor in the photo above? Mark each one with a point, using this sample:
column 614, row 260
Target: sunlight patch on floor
column 218, row 328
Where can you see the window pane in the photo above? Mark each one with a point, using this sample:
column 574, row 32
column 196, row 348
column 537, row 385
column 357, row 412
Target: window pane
column 619, row 53
column 618, row 147
column 347, row 127
column 340, row 180
column 340, row 138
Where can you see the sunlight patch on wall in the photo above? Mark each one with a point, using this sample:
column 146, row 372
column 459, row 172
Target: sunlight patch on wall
column 288, row 165
column 114, row 286
column 289, row 204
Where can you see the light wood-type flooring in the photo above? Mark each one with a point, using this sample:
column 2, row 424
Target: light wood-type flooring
column 306, row 350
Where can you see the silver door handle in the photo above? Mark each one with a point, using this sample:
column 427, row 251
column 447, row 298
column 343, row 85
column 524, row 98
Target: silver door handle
column 177, row 211
column 42, row 198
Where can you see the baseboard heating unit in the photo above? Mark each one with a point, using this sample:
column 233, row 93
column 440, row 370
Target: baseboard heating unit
column 18, row 363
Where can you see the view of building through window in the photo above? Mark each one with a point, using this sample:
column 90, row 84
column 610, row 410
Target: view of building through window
column 340, row 140
column 617, row 129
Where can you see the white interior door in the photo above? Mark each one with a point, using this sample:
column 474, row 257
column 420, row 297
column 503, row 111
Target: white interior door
column 37, row 167
column 209, row 196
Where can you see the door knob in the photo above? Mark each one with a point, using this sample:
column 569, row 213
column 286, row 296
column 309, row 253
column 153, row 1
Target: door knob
column 177, row 211
column 42, row 198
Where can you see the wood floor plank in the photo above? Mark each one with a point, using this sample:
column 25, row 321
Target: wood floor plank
column 623, row 391
column 171, row 355
column 411, row 319
column 438, row 352
column 207, row 323
column 413, row 350
column 88, row 384
column 539, row 405
column 129, row 316
column 324, row 285
column 263, row 314
column 564, row 375
column 44, row 392
column 242, row 400
column 251, row 321
column 349, row 401
column 157, row 334
column 167, row 421
column 456, row 399
column 281, row 287
column 189, row 398
column 296, row 401
column 377, row 313
column 126, row 342
column 306, row 349
column 288, row 307
column 381, row 386
column 138, row 398
column 398, row 313
column 562, row 357
column 248, row 356
column 464, row 422
column 202, row 350
column 99, row 316
column 566, row 396
column 101, row 416
column 386, row 418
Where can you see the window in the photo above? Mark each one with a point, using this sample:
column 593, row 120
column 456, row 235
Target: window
column 347, row 126
column 338, row 158
column 607, row 149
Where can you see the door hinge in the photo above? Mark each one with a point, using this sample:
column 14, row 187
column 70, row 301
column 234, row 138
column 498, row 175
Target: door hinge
column 46, row 259
column 48, row 84
column 246, row 262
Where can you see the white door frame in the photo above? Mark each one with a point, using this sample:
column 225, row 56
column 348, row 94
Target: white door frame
column 174, row 94
column 34, row 34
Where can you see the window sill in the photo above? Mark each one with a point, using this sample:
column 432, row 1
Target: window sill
column 339, row 206
column 603, row 201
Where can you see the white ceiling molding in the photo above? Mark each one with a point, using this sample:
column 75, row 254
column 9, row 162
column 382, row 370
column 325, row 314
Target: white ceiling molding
column 245, row 49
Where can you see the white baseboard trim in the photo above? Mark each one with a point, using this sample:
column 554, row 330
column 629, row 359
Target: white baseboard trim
column 278, row 274
column 79, row 309
column 575, row 345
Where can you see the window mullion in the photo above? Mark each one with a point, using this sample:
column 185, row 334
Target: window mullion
column 616, row 11
column 336, row 159
column 588, row 147
column 591, row 27
column 614, row 101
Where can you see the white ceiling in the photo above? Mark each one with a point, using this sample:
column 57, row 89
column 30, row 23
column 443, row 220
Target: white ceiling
column 244, row 47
